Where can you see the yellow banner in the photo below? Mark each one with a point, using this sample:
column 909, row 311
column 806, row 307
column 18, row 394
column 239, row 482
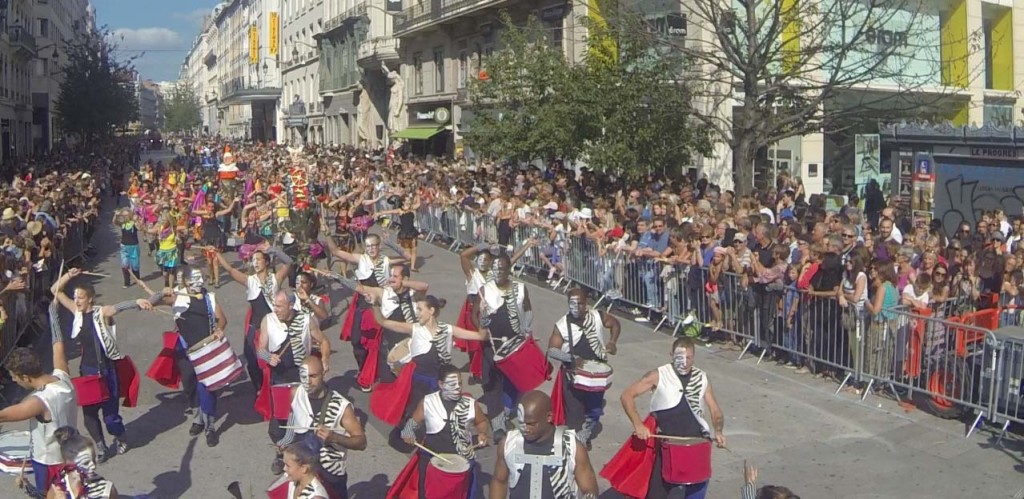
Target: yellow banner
column 254, row 45
column 275, row 25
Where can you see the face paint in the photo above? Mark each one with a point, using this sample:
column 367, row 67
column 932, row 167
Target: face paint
column 575, row 307
column 481, row 262
column 84, row 460
column 520, row 413
column 682, row 361
column 451, row 389
column 304, row 377
column 196, row 281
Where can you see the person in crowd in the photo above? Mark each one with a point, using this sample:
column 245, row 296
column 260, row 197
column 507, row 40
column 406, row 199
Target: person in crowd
column 78, row 476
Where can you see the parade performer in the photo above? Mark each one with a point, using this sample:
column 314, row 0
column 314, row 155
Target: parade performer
column 165, row 231
column 430, row 347
column 448, row 417
column 199, row 319
column 541, row 460
column 646, row 467
column 51, row 403
column 300, row 466
column 373, row 269
column 308, row 301
column 580, row 342
column 211, row 232
column 285, row 341
column 398, row 303
column 227, row 174
column 260, row 287
column 106, row 374
column 506, row 313
column 77, row 477
column 326, row 422
column 126, row 221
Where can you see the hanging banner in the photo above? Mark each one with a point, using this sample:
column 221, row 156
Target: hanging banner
column 254, row 45
column 273, row 35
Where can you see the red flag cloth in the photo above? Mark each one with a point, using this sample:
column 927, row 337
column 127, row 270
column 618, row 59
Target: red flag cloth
column 407, row 483
column 388, row 400
column 370, row 339
column 262, row 404
column 127, row 381
column 350, row 320
column 629, row 470
column 473, row 348
column 164, row 370
column 557, row 401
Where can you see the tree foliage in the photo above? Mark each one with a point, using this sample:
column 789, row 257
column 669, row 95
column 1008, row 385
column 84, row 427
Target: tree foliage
column 625, row 110
column 181, row 108
column 97, row 95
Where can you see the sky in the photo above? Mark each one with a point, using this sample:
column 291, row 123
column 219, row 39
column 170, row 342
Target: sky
column 161, row 31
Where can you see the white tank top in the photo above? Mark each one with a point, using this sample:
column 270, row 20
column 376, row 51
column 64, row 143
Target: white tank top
column 62, row 402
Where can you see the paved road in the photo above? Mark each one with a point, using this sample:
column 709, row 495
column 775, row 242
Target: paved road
column 789, row 425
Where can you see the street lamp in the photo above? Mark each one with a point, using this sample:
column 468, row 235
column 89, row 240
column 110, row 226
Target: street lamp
column 295, row 50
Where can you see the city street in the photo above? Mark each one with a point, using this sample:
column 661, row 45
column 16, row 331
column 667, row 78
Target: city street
column 790, row 426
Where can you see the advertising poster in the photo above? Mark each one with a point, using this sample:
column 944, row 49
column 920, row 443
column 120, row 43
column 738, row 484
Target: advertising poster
column 924, row 185
column 867, row 162
column 905, row 178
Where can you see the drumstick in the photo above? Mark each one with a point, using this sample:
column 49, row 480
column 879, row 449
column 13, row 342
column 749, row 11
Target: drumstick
column 298, row 428
column 94, row 274
column 670, row 437
column 432, row 453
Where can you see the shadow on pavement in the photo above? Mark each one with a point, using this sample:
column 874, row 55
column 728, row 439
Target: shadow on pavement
column 373, row 488
column 174, row 484
column 169, row 413
column 235, row 406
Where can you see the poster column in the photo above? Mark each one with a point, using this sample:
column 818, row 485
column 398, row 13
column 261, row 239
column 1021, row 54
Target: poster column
column 923, row 202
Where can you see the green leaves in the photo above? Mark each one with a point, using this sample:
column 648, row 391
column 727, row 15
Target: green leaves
column 628, row 114
column 97, row 94
column 181, row 109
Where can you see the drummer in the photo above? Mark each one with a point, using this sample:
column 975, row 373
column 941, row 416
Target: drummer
column 679, row 392
column 373, row 269
column 448, row 417
column 337, row 429
column 260, row 287
column 580, row 337
column 541, row 457
column 397, row 303
column 197, row 317
column 285, row 340
column 308, row 301
column 506, row 313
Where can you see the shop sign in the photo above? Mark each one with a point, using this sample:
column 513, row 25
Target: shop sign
column 440, row 115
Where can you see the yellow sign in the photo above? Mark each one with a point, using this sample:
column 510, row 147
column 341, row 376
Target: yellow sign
column 275, row 28
column 254, row 45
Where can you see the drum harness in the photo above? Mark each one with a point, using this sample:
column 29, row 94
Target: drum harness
column 538, row 462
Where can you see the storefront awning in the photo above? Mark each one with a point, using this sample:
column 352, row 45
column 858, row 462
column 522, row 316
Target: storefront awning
column 418, row 132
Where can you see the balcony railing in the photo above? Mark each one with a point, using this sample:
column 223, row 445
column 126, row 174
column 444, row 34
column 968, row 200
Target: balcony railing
column 355, row 12
column 22, row 40
column 384, row 48
column 424, row 12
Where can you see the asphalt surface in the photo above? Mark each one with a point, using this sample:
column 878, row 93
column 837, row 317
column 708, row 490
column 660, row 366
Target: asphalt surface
column 790, row 426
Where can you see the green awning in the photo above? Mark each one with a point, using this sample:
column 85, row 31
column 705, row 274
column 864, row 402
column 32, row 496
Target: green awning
column 418, row 132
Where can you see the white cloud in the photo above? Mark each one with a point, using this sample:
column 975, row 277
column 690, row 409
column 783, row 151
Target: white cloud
column 147, row 39
column 194, row 17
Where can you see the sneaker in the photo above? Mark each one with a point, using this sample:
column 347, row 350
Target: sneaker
column 790, row 365
column 120, row 446
column 641, row 318
column 277, row 467
column 802, row 370
column 105, row 453
column 195, row 429
column 366, row 389
column 212, row 438
column 190, row 411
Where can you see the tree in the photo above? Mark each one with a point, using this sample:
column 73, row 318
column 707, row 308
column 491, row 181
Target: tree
column 795, row 67
column 181, row 109
column 97, row 95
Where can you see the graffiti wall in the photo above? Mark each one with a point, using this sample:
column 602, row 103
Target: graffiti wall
column 964, row 192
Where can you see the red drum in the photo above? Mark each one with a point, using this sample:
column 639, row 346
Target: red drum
column 281, row 400
column 525, row 364
column 593, row 377
column 447, row 481
column 686, row 462
column 216, row 365
column 278, row 489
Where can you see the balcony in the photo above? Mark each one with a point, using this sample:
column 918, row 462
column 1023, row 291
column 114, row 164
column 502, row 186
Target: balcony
column 374, row 51
column 350, row 15
column 433, row 12
column 22, row 41
column 240, row 90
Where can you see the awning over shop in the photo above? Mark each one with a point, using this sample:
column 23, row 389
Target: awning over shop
column 418, row 132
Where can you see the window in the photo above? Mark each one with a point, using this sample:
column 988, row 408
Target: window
column 417, row 73
column 553, row 31
column 438, row 70
column 463, row 69
column 44, row 27
column 42, row 67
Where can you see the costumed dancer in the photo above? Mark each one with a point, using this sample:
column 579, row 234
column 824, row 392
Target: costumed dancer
column 260, row 288
column 580, row 342
column 127, row 222
column 646, row 467
column 373, row 269
column 397, row 303
column 211, row 232
column 227, row 174
column 301, row 467
column 103, row 364
column 448, row 418
column 77, row 477
column 51, row 403
column 167, row 255
column 285, row 341
column 325, row 421
column 430, row 347
column 541, row 460
column 308, row 301
column 198, row 318
column 506, row 313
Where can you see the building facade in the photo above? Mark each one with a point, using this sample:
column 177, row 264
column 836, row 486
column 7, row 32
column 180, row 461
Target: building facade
column 302, row 22
column 56, row 24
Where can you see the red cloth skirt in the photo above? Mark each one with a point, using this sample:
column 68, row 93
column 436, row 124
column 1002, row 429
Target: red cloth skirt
column 350, row 320
column 558, row 400
column 127, row 381
column 629, row 470
column 370, row 339
column 164, row 370
column 407, row 483
column 475, row 349
column 388, row 400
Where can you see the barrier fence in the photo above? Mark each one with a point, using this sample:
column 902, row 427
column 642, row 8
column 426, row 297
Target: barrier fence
column 951, row 359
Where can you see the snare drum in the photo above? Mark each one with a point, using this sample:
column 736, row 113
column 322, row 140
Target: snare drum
column 447, row 481
column 524, row 365
column 281, row 400
column 593, row 376
column 15, row 449
column 686, row 462
column 215, row 363
column 278, row 489
column 399, row 355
